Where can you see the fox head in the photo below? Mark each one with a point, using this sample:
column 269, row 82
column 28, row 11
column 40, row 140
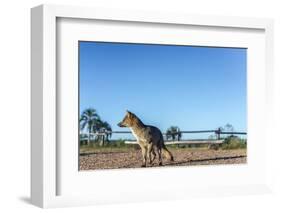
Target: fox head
column 128, row 120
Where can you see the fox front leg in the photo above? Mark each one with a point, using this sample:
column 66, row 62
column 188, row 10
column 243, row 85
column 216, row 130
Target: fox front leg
column 144, row 154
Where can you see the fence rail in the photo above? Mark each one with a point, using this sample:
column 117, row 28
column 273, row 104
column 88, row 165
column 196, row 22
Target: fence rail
column 185, row 142
column 217, row 131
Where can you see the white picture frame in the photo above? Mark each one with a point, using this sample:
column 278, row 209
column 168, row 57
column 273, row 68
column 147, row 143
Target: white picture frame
column 44, row 148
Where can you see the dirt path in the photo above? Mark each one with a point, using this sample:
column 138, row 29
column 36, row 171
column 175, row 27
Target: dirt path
column 183, row 157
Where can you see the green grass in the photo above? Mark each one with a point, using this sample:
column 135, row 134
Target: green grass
column 120, row 146
column 113, row 146
column 85, row 149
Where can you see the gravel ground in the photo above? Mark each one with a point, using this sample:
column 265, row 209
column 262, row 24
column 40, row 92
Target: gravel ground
column 183, row 157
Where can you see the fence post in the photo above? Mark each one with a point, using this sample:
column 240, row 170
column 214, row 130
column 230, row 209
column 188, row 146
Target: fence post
column 218, row 132
column 101, row 139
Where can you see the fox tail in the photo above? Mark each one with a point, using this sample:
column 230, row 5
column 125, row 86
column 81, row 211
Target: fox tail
column 167, row 154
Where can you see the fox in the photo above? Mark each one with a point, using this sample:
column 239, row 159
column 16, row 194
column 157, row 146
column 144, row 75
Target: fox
column 148, row 137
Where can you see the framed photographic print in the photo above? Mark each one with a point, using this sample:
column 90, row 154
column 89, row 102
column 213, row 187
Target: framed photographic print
column 125, row 103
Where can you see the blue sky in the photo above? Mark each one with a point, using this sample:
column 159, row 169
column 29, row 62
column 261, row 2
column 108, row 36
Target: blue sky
column 194, row 88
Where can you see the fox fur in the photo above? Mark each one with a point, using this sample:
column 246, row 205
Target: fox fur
column 148, row 137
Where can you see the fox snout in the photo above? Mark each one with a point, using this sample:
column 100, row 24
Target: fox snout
column 121, row 124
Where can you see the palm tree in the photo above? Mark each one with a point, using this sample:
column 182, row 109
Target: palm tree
column 229, row 128
column 88, row 120
column 172, row 132
column 105, row 128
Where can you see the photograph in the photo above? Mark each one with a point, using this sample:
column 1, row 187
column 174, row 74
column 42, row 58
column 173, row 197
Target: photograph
column 161, row 105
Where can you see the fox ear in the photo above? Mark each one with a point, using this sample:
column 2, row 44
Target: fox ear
column 129, row 114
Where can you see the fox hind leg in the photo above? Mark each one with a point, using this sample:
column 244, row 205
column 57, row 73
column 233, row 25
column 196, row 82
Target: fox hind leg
column 154, row 155
column 149, row 152
column 160, row 157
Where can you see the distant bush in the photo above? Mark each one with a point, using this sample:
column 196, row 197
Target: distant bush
column 233, row 142
column 118, row 143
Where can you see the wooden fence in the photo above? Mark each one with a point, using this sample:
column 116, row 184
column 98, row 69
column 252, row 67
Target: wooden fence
column 177, row 136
